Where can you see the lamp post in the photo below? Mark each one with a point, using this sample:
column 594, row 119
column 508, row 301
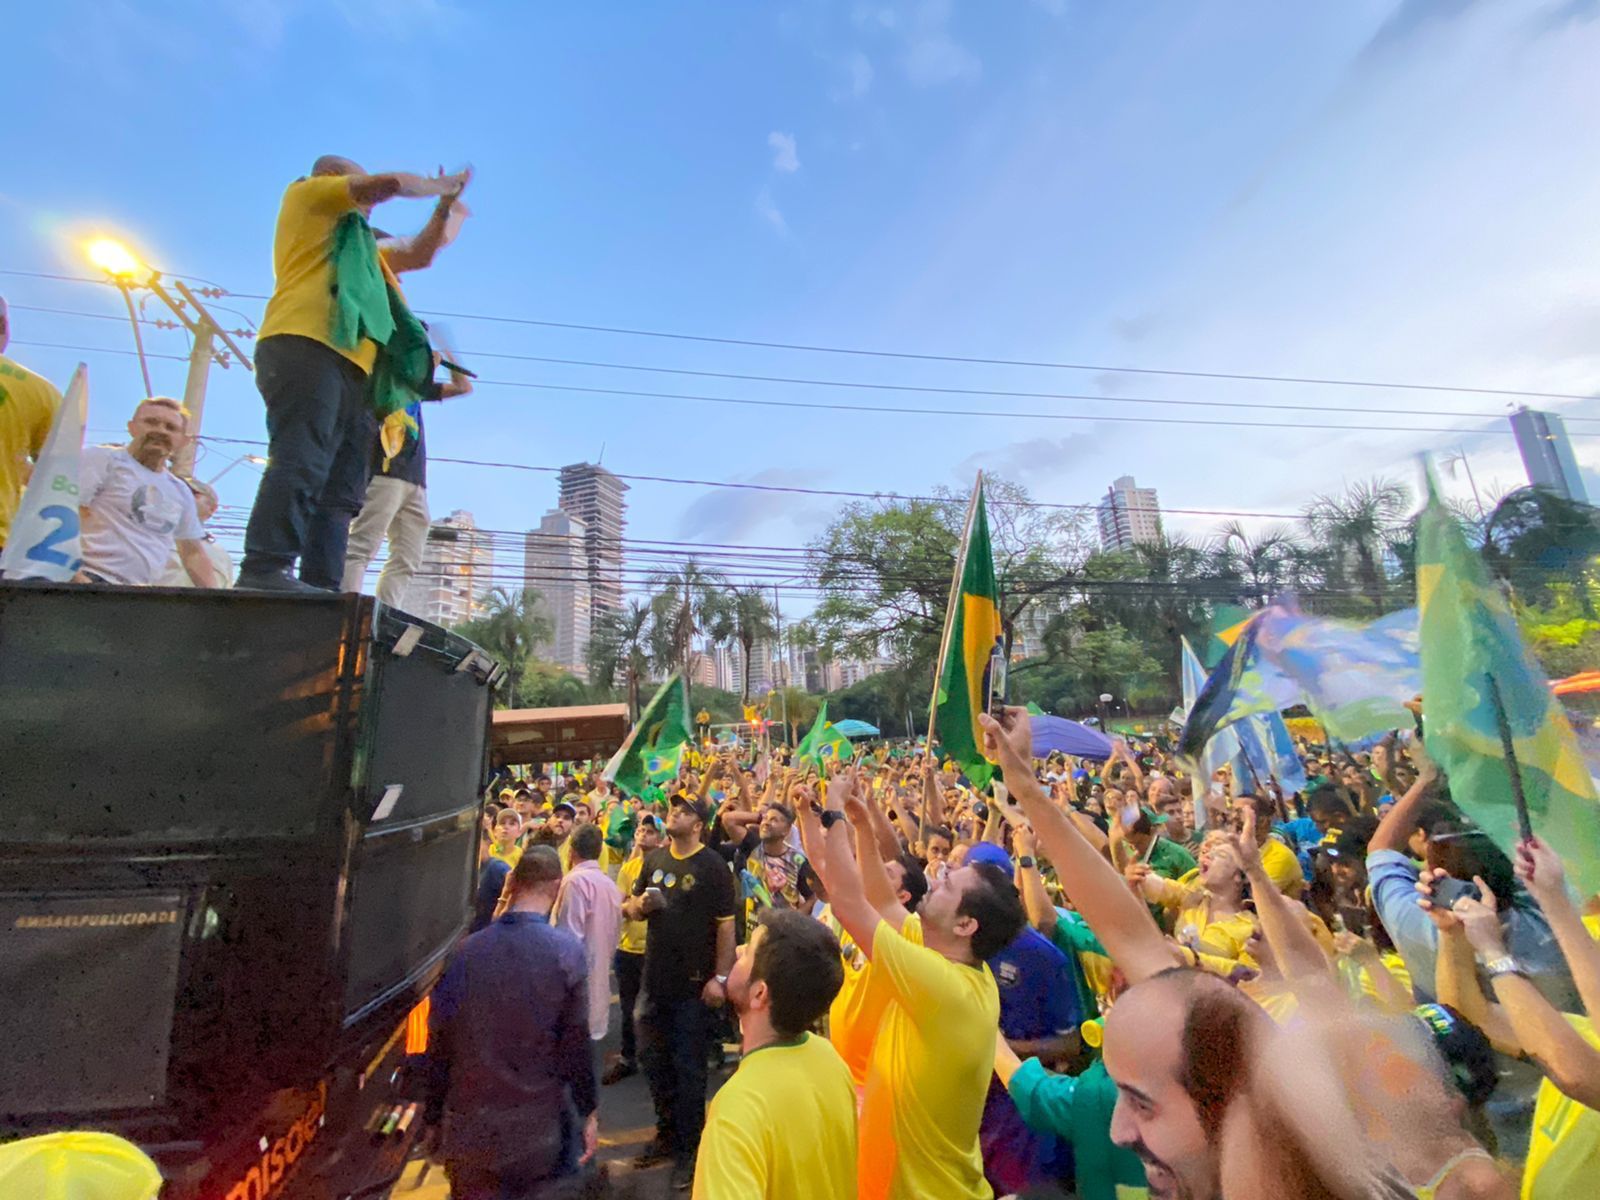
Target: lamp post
column 1105, row 699
column 123, row 269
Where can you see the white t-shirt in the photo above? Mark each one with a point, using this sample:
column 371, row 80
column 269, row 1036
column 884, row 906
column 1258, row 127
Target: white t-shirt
column 136, row 516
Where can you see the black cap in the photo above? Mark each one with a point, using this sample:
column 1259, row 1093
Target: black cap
column 564, row 807
column 693, row 804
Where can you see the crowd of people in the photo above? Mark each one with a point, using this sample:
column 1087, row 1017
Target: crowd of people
column 1109, row 977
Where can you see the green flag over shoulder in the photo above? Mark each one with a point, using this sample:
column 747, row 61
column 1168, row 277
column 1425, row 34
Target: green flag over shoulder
column 972, row 631
column 1469, row 638
column 651, row 750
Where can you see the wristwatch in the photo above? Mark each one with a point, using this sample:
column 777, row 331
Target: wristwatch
column 1504, row 965
column 829, row 816
column 1026, row 862
column 722, row 979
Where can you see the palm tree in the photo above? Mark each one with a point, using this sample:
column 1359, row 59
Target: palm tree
column 619, row 643
column 688, row 597
column 510, row 627
column 742, row 614
column 1356, row 530
column 1266, row 563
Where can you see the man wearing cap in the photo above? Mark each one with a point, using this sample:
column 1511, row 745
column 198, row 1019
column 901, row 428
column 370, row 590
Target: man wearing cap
column 1161, row 854
column 773, row 873
column 685, row 892
column 562, row 819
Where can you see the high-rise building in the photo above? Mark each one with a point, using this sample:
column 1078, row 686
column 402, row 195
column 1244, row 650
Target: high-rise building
column 1547, row 453
column 763, row 677
column 557, row 567
column 1128, row 514
column 457, row 569
column 703, row 667
column 594, row 496
column 730, row 666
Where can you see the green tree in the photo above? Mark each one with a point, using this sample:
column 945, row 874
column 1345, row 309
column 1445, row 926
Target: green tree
column 686, row 598
column 509, row 627
column 1356, row 530
column 1538, row 542
column 742, row 615
column 619, row 646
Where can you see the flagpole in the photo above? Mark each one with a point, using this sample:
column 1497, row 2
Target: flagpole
column 950, row 607
column 1518, row 796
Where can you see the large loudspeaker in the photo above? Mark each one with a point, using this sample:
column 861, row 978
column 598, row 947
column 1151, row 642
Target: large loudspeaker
column 237, row 835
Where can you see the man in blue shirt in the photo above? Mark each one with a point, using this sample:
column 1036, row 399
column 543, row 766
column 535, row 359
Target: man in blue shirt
column 510, row 1074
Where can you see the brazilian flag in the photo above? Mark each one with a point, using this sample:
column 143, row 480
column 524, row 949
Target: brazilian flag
column 823, row 743
column 1469, row 638
column 657, row 739
column 972, row 635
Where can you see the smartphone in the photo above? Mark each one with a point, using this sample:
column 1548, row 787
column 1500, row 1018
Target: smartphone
column 652, row 890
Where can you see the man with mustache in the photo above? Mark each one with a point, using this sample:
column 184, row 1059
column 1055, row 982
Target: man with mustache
column 135, row 511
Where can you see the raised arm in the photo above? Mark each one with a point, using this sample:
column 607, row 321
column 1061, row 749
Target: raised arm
column 1540, row 870
column 1116, row 915
column 1296, row 950
column 417, row 253
column 1456, row 976
column 1395, row 828
column 375, row 189
column 1035, row 899
column 1571, row 1063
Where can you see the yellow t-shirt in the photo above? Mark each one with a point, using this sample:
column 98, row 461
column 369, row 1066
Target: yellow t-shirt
column 28, row 406
column 631, row 939
column 510, row 855
column 1564, row 1152
column 1222, row 937
column 857, row 1010
column 783, row 1128
column 930, row 1073
column 302, row 266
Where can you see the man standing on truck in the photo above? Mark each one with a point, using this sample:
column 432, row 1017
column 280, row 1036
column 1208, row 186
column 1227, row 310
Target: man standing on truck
column 509, row 1071
column 28, row 405
column 335, row 330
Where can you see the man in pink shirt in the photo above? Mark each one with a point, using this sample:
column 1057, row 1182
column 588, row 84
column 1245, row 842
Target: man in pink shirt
column 590, row 907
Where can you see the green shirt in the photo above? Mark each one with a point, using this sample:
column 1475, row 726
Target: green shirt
column 1077, row 1108
column 1168, row 859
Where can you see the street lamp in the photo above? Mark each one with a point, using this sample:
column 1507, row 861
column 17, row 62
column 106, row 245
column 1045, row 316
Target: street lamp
column 120, row 266
column 123, row 268
column 1105, row 699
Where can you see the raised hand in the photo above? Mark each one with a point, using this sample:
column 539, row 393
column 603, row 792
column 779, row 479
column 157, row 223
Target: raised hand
column 1481, row 919
column 1540, row 870
column 1427, row 882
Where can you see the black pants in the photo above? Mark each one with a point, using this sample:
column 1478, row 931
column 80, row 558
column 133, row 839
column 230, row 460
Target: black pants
column 674, row 1060
column 630, row 974
column 320, row 431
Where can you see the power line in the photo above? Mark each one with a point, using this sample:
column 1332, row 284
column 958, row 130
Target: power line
column 95, row 349
column 1241, row 376
column 806, row 491
column 899, row 410
column 897, row 387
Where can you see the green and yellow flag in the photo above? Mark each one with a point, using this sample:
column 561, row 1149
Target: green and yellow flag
column 823, row 743
column 1469, row 637
column 654, row 745
column 972, row 634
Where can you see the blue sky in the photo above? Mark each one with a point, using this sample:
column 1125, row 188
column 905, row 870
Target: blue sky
column 1372, row 189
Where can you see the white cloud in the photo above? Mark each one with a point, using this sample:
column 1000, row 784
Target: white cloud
column 933, row 57
column 768, row 208
column 784, row 157
column 859, row 72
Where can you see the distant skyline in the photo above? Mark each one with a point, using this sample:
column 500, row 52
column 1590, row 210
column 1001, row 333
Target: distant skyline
column 1391, row 190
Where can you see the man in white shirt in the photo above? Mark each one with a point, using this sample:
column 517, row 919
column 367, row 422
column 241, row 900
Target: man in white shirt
column 590, row 907
column 205, row 502
column 135, row 511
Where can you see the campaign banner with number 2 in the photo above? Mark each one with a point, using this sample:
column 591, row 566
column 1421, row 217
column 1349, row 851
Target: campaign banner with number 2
column 43, row 543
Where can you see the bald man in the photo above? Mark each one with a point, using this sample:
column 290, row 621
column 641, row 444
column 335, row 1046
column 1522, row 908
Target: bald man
column 314, row 380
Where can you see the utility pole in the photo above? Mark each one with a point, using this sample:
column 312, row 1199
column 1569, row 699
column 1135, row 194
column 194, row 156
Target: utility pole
column 122, row 266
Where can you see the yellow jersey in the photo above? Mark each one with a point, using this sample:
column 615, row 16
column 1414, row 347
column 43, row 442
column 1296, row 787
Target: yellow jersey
column 302, row 265
column 28, row 407
column 857, row 1010
column 929, row 1077
column 631, row 939
column 1564, row 1152
column 782, row 1128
